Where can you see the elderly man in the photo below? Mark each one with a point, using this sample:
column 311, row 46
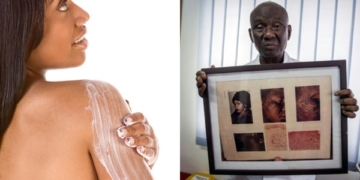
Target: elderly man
column 270, row 32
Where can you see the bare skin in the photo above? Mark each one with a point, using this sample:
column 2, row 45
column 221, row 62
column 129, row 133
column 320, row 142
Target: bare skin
column 46, row 139
column 51, row 135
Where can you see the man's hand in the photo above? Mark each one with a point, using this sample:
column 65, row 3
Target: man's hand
column 138, row 133
column 348, row 102
column 200, row 81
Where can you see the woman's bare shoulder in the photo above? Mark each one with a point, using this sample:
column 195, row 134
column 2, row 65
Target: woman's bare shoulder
column 89, row 112
column 111, row 157
column 54, row 126
column 64, row 95
column 65, row 104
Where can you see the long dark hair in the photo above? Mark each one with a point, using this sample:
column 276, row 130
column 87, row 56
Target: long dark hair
column 21, row 30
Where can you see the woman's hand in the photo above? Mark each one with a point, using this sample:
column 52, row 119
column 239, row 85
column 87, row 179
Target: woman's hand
column 138, row 133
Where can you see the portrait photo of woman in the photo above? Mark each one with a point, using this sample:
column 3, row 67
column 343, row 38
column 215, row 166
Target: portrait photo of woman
column 241, row 112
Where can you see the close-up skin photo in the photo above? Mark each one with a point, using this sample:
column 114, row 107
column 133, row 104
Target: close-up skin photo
column 76, row 106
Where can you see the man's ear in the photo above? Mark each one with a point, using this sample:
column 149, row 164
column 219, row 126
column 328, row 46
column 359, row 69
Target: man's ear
column 251, row 35
column 289, row 31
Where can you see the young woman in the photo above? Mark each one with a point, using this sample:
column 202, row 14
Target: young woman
column 62, row 130
column 242, row 108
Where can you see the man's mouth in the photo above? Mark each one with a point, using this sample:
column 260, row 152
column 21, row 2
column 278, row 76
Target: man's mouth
column 270, row 46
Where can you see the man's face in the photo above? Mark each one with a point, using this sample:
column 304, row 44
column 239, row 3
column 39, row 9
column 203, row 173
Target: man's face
column 270, row 31
column 274, row 106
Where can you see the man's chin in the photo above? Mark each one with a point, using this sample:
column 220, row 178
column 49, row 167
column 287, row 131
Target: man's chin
column 271, row 53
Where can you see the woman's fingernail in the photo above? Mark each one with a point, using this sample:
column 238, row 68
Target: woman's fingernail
column 141, row 149
column 122, row 132
column 128, row 120
column 129, row 141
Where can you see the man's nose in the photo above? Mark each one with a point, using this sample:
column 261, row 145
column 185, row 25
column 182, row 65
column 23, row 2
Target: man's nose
column 269, row 33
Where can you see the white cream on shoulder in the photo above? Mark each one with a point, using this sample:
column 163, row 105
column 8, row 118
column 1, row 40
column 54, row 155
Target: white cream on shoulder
column 108, row 109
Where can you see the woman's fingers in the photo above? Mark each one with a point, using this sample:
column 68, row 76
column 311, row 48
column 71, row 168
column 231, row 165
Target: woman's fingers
column 138, row 133
column 146, row 141
column 148, row 154
column 134, row 118
column 146, row 146
column 134, row 130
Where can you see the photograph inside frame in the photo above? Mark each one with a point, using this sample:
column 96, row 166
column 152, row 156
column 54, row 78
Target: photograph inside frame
column 260, row 119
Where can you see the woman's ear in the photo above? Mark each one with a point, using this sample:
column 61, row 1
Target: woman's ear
column 127, row 102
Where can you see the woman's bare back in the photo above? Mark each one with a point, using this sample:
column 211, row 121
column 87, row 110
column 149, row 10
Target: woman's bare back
column 52, row 135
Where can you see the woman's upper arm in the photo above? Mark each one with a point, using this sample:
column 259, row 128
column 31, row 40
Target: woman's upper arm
column 111, row 157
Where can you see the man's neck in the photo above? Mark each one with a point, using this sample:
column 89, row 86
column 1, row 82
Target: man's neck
column 275, row 60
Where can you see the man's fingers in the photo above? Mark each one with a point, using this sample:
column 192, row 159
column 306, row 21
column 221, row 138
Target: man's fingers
column 348, row 101
column 199, row 81
column 344, row 92
column 350, row 108
column 277, row 158
column 134, row 130
column 349, row 114
column 146, row 141
column 201, row 74
column 202, row 90
column 134, row 118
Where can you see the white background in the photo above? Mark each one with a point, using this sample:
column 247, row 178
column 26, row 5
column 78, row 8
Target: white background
column 135, row 46
column 194, row 158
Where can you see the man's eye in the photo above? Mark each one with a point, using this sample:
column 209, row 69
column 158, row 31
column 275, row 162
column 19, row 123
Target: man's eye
column 278, row 27
column 63, row 7
column 259, row 27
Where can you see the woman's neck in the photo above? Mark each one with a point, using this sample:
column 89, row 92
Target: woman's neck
column 40, row 75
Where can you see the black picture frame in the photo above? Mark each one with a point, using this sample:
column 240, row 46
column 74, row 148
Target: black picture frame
column 243, row 147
